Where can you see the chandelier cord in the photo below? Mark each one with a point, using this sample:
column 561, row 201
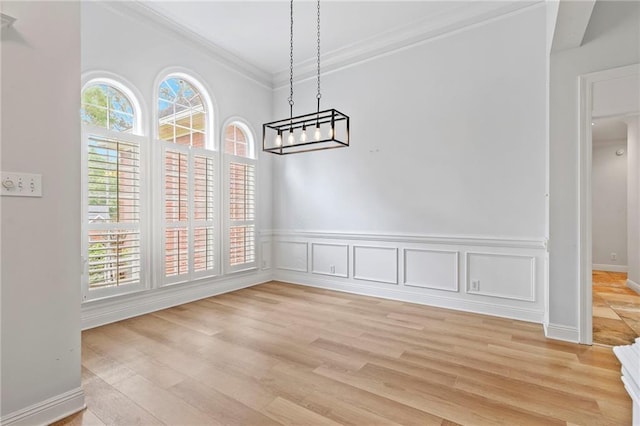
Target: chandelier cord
column 319, row 95
column 291, row 65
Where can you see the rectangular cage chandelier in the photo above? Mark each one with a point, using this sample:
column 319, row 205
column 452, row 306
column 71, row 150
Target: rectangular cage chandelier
column 309, row 132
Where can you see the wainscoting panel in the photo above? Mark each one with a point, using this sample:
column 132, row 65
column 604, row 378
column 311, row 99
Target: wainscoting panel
column 330, row 259
column 378, row 264
column 434, row 269
column 501, row 275
column 438, row 271
column 291, row 256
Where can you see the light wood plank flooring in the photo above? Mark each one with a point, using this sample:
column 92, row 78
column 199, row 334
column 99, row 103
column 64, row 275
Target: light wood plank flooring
column 285, row 354
column 616, row 309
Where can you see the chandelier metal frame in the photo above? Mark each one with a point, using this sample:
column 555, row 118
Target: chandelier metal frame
column 289, row 135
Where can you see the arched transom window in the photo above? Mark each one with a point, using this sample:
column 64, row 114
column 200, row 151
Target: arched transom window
column 182, row 114
column 103, row 105
column 236, row 141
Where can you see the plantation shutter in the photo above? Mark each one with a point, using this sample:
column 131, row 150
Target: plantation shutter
column 204, row 254
column 241, row 213
column 112, row 208
column 189, row 216
column 176, row 213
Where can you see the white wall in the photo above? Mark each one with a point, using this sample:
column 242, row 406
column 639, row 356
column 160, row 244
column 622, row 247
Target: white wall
column 139, row 51
column 448, row 140
column 612, row 40
column 633, row 199
column 40, row 236
column 609, row 214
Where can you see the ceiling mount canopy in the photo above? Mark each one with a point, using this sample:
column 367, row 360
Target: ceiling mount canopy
column 309, row 132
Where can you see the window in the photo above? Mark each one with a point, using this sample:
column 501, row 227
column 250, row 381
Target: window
column 188, row 181
column 181, row 113
column 240, row 171
column 111, row 191
column 152, row 210
column 105, row 106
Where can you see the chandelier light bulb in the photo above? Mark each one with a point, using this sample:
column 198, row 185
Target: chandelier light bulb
column 331, row 132
column 317, row 134
column 291, row 139
column 303, row 135
column 279, row 139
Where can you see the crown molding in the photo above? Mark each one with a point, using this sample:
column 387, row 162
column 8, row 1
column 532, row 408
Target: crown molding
column 463, row 16
column 7, row 20
column 459, row 18
column 231, row 61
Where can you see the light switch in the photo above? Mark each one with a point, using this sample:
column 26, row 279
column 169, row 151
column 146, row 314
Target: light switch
column 16, row 184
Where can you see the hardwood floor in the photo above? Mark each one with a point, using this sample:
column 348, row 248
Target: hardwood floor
column 616, row 309
column 285, row 354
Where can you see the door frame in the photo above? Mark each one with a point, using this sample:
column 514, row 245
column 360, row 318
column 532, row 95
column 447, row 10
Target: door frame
column 585, row 147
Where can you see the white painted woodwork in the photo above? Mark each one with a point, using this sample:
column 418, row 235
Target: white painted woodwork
column 434, row 269
column 105, row 311
column 425, row 269
column 389, row 26
column 633, row 196
column 378, row 264
column 330, row 259
column 501, row 275
column 291, row 255
column 585, row 190
column 613, row 39
column 629, row 356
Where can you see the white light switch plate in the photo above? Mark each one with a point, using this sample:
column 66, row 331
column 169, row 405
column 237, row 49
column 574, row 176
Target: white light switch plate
column 20, row 184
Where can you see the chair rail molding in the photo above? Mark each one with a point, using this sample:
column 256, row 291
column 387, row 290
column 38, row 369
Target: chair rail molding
column 484, row 241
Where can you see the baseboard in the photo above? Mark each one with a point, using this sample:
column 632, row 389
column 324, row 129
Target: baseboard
column 562, row 332
column 101, row 312
column 404, row 295
column 633, row 286
column 609, row 268
column 47, row 411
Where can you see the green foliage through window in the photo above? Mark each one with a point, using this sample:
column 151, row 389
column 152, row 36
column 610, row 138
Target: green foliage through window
column 107, row 107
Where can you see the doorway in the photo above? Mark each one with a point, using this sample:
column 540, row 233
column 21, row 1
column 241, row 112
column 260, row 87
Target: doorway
column 616, row 308
column 605, row 95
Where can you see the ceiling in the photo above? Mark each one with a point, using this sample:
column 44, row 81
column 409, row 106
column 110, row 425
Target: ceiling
column 257, row 32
